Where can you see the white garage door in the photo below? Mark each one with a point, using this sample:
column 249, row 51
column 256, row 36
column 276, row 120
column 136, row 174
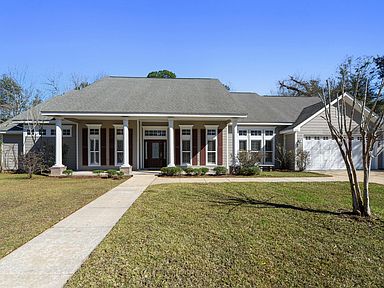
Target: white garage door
column 324, row 153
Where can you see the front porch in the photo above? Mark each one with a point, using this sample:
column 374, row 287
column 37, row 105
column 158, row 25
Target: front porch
column 132, row 144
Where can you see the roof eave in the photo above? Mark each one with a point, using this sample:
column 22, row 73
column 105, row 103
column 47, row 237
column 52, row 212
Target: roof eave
column 107, row 114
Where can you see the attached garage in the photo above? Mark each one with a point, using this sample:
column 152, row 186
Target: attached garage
column 324, row 154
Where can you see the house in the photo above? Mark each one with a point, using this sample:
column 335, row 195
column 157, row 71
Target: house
column 148, row 123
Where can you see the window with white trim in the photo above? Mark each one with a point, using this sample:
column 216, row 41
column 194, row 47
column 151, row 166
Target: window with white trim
column 258, row 141
column 255, row 132
column 152, row 133
column 211, row 146
column 242, row 132
column 119, row 146
column 268, row 152
column 186, row 144
column 93, row 146
column 255, row 145
column 242, row 145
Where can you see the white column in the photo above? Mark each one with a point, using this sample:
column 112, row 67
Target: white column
column 126, row 142
column 235, row 142
column 171, row 144
column 59, row 143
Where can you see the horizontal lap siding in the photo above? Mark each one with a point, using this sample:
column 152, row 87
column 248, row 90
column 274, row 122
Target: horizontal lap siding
column 12, row 148
column 69, row 146
column 319, row 126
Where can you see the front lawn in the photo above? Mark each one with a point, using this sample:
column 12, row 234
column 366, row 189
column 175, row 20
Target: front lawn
column 30, row 206
column 241, row 234
column 278, row 173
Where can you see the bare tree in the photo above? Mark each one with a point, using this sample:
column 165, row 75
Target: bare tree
column 351, row 111
column 79, row 81
column 53, row 85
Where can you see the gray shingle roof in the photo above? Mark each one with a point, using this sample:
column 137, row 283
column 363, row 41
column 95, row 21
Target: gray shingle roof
column 9, row 125
column 34, row 113
column 148, row 95
column 272, row 109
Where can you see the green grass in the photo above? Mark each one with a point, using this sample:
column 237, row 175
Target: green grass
column 243, row 235
column 30, row 206
column 291, row 174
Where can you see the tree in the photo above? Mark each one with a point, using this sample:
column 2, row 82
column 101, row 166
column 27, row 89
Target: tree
column 161, row 74
column 358, row 86
column 79, row 82
column 16, row 97
column 296, row 86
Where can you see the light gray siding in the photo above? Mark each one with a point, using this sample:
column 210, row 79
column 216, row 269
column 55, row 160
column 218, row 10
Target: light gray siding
column 290, row 145
column 11, row 149
column 319, row 126
column 69, row 145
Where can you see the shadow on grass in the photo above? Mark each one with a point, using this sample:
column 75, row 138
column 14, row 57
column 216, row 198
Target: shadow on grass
column 242, row 199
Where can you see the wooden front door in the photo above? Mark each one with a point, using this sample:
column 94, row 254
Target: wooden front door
column 155, row 153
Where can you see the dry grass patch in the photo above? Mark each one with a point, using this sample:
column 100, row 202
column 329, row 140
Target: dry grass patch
column 30, row 206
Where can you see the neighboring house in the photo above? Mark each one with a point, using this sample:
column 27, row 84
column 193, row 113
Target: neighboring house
column 148, row 123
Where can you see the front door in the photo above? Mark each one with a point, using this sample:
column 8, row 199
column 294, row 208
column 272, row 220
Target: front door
column 155, row 153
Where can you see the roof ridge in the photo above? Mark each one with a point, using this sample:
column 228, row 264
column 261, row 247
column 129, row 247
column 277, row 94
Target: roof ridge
column 178, row 78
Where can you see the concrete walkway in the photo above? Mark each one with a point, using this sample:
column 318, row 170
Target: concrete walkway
column 52, row 257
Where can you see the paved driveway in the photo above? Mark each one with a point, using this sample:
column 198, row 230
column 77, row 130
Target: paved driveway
column 338, row 175
column 377, row 176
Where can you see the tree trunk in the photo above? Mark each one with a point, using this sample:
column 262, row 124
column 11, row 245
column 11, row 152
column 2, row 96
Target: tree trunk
column 367, row 170
column 357, row 203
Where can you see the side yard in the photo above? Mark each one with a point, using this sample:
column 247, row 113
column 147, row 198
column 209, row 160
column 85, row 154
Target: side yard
column 30, row 206
column 243, row 234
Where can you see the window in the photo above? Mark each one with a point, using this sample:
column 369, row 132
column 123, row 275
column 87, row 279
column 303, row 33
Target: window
column 242, row 132
column 325, row 138
column 93, row 146
column 53, row 132
column 67, row 132
column 158, row 133
column 307, row 137
column 258, row 140
column 316, row 138
column 255, row 145
column 268, row 150
column 243, row 145
column 211, row 146
column 30, row 131
column 211, row 132
column 186, row 145
column 119, row 146
column 43, row 132
column 186, row 151
column 255, row 132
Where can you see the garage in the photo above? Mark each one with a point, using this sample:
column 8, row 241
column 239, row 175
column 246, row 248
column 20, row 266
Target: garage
column 324, row 154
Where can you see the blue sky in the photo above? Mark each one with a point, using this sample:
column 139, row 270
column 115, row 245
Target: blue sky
column 249, row 45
